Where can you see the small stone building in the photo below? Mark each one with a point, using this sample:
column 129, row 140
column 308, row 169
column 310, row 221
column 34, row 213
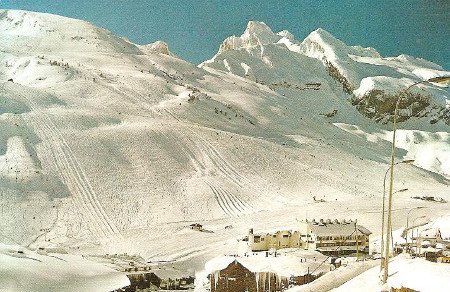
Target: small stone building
column 235, row 277
column 261, row 272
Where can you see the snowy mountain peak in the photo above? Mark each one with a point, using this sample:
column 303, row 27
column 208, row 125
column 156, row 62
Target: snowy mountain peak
column 321, row 44
column 258, row 27
column 320, row 35
column 286, row 34
column 156, row 47
column 320, row 32
column 256, row 33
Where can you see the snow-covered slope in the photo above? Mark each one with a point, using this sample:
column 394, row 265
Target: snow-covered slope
column 430, row 150
column 25, row 270
column 107, row 146
column 404, row 273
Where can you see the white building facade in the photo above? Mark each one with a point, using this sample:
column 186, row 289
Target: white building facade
column 326, row 236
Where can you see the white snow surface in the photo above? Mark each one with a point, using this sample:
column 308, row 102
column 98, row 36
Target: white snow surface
column 31, row 271
column 430, row 150
column 417, row 274
column 337, row 277
column 110, row 147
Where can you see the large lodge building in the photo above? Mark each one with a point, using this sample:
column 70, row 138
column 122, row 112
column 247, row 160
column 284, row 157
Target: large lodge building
column 326, row 236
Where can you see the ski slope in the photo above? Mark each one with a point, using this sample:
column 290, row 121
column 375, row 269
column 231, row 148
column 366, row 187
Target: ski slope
column 109, row 146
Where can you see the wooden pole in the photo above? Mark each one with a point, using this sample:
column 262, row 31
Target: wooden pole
column 357, row 244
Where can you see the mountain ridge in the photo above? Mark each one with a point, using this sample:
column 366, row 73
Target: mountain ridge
column 353, row 66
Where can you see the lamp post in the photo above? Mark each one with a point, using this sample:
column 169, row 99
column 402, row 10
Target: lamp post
column 392, row 236
column 407, row 220
column 408, row 161
column 440, row 80
column 417, row 234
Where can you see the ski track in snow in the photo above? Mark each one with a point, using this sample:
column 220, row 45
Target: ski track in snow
column 71, row 172
column 213, row 155
column 222, row 164
column 230, row 203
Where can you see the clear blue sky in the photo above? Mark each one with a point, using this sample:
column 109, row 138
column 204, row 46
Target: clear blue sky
column 194, row 29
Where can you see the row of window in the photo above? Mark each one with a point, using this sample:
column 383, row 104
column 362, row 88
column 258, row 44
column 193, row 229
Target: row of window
column 322, row 244
column 339, row 237
column 258, row 238
column 320, row 238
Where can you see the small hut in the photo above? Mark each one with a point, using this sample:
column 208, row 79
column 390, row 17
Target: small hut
column 196, row 226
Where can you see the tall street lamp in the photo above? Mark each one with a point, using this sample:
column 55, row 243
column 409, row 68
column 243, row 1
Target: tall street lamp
column 442, row 80
column 408, row 161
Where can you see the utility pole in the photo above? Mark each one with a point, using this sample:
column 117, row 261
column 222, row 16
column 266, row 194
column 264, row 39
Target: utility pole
column 391, row 185
column 407, row 222
column 417, row 242
column 357, row 244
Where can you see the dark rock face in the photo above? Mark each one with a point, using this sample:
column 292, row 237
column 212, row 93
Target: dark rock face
column 380, row 106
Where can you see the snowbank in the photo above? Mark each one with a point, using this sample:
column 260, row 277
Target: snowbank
column 25, row 270
column 417, row 274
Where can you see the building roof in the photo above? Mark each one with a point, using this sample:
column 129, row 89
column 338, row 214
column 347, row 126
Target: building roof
column 171, row 273
column 430, row 233
column 423, row 250
column 337, row 229
column 287, row 264
column 322, row 228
